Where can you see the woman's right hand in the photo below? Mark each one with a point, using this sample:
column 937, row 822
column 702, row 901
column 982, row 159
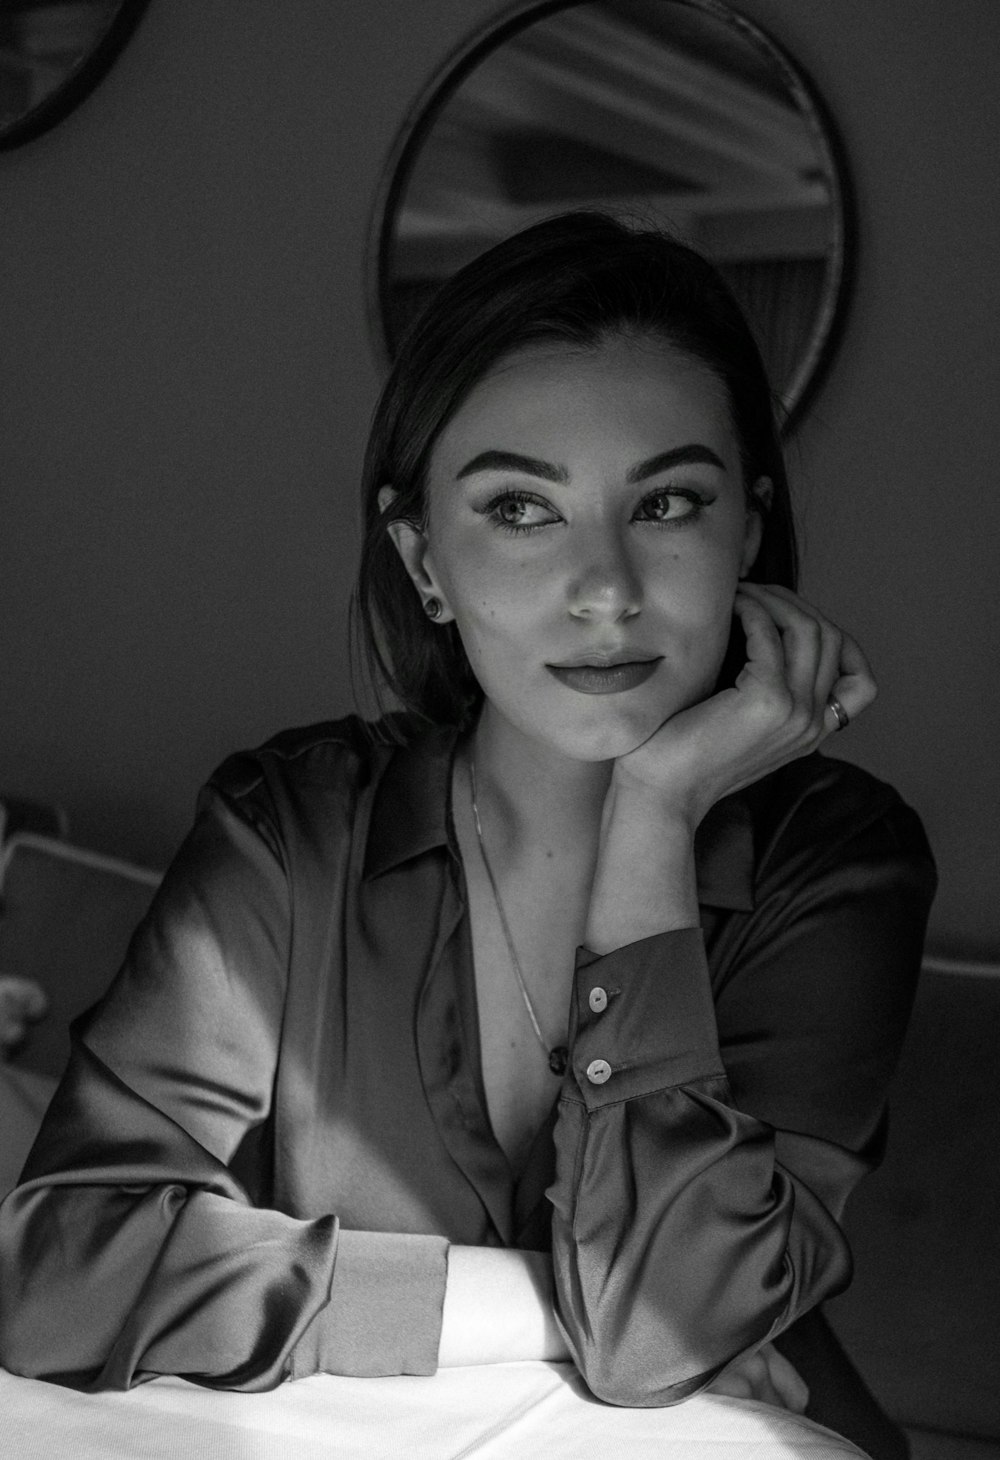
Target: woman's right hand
column 766, row 1376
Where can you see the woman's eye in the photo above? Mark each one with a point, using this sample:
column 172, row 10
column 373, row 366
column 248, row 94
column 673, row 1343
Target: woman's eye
column 670, row 507
column 518, row 512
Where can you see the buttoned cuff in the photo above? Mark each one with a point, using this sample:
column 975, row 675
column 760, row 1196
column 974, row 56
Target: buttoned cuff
column 644, row 1018
column 384, row 1313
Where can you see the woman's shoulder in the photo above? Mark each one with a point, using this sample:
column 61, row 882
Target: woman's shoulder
column 305, row 783
column 329, row 755
column 820, row 804
column 329, row 751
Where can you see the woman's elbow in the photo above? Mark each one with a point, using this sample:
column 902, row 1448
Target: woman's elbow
column 639, row 1366
column 643, row 1351
column 619, row 1383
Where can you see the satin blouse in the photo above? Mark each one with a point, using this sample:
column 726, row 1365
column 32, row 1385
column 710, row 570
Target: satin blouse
column 274, row 1123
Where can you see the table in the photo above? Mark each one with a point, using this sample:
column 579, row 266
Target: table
column 532, row 1411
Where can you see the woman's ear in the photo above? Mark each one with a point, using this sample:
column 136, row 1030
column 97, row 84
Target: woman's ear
column 414, row 550
column 760, row 498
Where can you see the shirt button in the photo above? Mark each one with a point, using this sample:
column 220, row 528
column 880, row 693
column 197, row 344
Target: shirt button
column 598, row 1000
column 598, row 1071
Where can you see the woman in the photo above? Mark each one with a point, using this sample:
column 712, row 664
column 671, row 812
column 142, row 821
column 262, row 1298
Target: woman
column 575, row 989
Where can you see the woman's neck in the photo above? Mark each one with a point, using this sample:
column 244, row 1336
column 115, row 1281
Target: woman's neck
column 536, row 800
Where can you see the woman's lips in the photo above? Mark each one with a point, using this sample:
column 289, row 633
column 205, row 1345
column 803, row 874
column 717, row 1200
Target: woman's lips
column 593, row 679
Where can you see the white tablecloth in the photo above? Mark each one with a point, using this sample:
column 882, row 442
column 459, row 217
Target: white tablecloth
column 531, row 1411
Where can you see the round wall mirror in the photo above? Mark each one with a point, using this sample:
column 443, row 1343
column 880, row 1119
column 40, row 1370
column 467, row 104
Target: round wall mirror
column 52, row 55
column 679, row 114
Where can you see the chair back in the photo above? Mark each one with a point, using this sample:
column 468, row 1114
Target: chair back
column 66, row 917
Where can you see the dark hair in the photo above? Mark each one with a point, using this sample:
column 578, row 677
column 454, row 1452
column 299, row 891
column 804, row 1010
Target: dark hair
column 577, row 278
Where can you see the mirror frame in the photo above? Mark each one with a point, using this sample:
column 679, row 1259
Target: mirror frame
column 79, row 82
column 465, row 57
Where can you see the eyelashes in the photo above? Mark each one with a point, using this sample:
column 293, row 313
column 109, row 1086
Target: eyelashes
column 503, row 501
column 508, row 510
column 694, row 501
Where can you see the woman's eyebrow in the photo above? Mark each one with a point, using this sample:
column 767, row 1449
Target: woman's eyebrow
column 532, row 466
column 511, row 461
column 679, row 455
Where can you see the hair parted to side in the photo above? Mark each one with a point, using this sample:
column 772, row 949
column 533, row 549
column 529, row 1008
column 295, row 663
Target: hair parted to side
column 577, row 278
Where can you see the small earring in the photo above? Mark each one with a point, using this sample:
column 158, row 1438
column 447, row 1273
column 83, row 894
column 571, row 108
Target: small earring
column 432, row 607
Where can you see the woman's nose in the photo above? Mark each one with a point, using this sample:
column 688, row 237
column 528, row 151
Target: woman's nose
column 604, row 584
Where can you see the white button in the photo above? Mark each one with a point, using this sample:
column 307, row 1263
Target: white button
column 598, row 1000
column 598, row 1071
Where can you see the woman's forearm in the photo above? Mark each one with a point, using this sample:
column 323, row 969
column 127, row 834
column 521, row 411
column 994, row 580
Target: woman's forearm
column 498, row 1308
column 645, row 879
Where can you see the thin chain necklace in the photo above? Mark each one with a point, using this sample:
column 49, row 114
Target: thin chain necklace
column 558, row 1054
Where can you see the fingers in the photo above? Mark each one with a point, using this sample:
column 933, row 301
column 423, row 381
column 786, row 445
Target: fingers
column 746, row 1378
column 808, row 643
column 820, row 659
column 764, row 651
column 787, row 1380
column 855, row 685
column 759, row 1372
column 811, row 645
column 732, row 1384
column 765, row 1376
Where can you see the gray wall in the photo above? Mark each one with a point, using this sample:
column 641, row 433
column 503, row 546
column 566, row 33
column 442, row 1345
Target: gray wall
column 186, row 375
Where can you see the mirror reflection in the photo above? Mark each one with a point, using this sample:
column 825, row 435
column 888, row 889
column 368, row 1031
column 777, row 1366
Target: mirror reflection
column 44, row 48
column 677, row 114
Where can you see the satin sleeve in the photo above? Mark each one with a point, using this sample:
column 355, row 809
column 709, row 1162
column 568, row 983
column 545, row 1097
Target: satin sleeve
column 710, row 1128
column 130, row 1249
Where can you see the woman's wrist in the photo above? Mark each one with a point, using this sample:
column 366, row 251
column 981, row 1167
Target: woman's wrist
column 645, row 879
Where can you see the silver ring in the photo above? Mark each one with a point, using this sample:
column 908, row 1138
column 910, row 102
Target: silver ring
column 842, row 717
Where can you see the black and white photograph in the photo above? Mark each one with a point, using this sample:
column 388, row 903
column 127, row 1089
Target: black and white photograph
column 499, row 627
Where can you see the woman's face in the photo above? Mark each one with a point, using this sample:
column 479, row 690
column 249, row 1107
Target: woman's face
column 587, row 510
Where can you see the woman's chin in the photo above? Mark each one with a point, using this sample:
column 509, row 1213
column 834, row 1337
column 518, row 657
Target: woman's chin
column 590, row 728
column 603, row 738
